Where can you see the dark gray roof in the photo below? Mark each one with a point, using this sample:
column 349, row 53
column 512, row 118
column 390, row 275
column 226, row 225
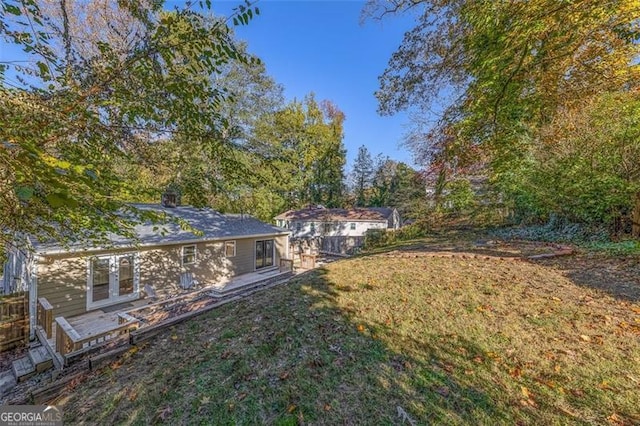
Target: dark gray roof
column 213, row 225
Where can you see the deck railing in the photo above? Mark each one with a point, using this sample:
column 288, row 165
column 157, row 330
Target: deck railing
column 45, row 316
column 286, row 265
column 68, row 340
column 308, row 261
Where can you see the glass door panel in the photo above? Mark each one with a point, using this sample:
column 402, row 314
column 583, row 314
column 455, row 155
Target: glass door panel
column 125, row 275
column 100, row 279
column 259, row 254
column 268, row 253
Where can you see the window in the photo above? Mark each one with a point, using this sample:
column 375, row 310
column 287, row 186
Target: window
column 313, row 227
column 327, row 228
column 352, row 226
column 298, row 226
column 230, row 248
column 188, row 255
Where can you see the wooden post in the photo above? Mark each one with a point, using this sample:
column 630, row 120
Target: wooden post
column 286, row 265
column 45, row 316
column 66, row 337
column 635, row 218
column 308, row 261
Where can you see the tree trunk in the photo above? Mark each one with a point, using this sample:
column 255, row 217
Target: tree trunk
column 635, row 218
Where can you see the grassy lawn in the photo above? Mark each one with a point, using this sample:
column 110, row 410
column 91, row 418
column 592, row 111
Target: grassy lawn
column 407, row 337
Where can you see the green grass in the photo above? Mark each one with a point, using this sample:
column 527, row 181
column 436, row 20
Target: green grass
column 446, row 340
column 616, row 248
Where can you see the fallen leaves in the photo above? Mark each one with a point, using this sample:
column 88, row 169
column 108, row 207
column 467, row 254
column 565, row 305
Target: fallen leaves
column 515, row 372
column 527, row 399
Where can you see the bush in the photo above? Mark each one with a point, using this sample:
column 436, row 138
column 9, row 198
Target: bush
column 557, row 230
column 375, row 238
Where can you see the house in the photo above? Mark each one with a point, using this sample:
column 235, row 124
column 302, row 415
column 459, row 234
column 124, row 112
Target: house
column 337, row 230
column 164, row 260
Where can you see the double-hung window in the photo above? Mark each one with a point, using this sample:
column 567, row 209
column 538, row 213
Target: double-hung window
column 188, row 255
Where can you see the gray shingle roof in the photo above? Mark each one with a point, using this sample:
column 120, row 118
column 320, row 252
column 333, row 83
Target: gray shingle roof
column 213, row 225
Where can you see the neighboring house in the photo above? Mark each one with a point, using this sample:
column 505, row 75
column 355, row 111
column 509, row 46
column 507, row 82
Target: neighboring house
column 339, row 230
column 82, row 278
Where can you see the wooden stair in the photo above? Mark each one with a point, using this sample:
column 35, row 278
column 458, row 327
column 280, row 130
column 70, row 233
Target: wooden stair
column 37, row 361
column 249, row 288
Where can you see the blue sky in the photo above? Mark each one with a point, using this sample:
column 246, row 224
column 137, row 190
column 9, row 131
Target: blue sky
column 321, row 47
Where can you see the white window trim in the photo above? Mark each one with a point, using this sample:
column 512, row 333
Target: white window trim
column 234, row 248
column 195, row 254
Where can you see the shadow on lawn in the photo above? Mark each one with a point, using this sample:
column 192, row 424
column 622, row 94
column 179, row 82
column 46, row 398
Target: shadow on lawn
column 432, row 378
column 613, row 275
column 437, row 378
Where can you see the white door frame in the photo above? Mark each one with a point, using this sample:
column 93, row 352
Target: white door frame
column 114, row 283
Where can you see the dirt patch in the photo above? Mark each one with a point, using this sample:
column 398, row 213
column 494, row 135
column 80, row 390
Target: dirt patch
column 7, row 357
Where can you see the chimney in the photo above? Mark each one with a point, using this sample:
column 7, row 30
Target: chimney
column 170, row 198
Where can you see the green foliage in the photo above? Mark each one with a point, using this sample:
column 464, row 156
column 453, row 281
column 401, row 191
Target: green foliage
column 362, row 176
column 590, row 175
column 619, row 248
column 459, row 196
column 306, row 154
column 541, row 95
column 376, row 238
column 557, row 230
column 93, row 105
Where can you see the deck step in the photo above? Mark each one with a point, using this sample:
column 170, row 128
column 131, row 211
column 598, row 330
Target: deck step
column 41, row 358
column 228, row 292
column 23, row 369
column 7, row 382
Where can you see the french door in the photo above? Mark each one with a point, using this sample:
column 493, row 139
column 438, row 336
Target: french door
column 112, row 279
column 264, row 253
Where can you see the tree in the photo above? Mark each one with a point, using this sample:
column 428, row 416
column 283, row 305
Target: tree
column 395, row 184
column 362, row 176
column 500, row 72
column 307, row 156
column 584, row 168
column 70, row 120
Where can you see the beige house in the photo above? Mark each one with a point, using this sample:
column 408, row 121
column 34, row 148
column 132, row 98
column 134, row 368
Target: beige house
column 164, row 261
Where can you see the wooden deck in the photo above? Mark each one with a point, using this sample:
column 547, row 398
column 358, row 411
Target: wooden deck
column 100, row 321
column 244, row 280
